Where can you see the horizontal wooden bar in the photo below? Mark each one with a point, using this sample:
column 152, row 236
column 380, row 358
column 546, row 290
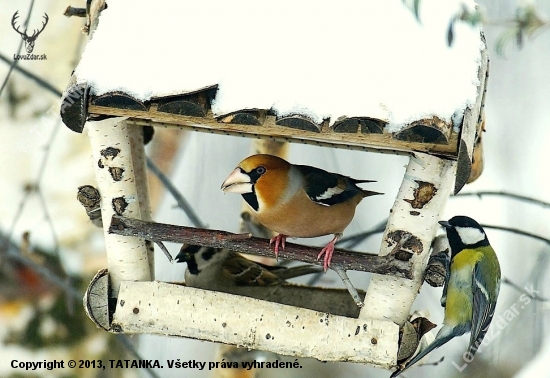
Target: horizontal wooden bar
column 173, row 310
column 382, row 143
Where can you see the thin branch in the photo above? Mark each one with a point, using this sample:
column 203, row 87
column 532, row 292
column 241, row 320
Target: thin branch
column 516, row 231
column 356, row 239
column 347, row 283
column 72, row 11
column 243, row 243
column 515, row 286
column 18, row 213
column 49, row 221
column 13, row 253
column 41, row 82
column 14, row 63
column 36, row 187
column 506, row 194
column 44, row 161
column 181, row 201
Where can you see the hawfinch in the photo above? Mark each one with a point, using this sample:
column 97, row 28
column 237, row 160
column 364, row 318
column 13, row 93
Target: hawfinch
column 297, row 200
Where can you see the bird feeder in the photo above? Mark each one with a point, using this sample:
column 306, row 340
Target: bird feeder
column 440, row 146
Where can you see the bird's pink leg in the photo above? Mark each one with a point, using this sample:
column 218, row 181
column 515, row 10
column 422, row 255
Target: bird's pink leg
column 328, row 251
column 279, row 240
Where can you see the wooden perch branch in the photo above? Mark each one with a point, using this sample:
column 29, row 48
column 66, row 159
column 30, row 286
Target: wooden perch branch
column 243, row 243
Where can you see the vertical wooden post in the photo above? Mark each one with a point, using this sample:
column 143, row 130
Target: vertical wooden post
column 118, row 159
column 411, row 227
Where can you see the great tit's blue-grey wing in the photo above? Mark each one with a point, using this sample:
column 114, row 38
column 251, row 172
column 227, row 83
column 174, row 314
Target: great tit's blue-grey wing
column 484, row 304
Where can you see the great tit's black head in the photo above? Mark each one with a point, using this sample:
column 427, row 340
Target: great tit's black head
column 464, row 232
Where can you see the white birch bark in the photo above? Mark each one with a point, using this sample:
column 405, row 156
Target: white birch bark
column 174, row 310
column 391, row 297
column 118, row 160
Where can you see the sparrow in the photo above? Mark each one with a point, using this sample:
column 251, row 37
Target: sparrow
column 471, row 287
column 297, row 201
column 223, row 270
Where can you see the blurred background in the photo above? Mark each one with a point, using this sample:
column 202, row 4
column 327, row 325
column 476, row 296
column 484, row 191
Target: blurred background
column 50, row 250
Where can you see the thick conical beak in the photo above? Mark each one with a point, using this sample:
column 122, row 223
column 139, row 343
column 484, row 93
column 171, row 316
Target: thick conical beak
column 237, row 182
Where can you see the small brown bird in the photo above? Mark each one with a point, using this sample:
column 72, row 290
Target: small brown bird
column 297, row 200
column 228, row 271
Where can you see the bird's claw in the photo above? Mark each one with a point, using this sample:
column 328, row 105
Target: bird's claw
column 279, row 240
column 327, row 251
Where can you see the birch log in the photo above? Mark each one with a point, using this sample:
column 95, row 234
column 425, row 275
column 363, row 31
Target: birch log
column 411, row 227
column 173, row 310
column 118, row 159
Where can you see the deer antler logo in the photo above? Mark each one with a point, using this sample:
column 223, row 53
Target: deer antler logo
column 29, row 40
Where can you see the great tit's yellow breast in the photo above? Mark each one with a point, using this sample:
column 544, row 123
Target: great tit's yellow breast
column 458, row 308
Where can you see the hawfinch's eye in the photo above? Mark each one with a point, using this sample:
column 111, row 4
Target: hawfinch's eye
column 260, row 170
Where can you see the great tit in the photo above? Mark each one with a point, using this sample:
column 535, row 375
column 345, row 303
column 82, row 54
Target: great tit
column 471, row 288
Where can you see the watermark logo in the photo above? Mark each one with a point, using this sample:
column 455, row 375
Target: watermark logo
column 498, row 324
column 29, row 40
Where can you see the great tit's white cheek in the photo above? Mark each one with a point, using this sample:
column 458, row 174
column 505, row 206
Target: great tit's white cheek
column 470, row 235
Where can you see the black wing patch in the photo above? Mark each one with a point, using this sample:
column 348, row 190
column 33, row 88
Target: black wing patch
column 327, row 188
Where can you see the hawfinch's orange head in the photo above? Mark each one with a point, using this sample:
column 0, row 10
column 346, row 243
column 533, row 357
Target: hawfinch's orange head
column 259, row 178
column 250, row 171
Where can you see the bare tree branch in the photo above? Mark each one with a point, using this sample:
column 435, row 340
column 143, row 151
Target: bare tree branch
column 516, row 231
column 14, row 62
column 506, row 194
column 181, row 201
column 518, row 288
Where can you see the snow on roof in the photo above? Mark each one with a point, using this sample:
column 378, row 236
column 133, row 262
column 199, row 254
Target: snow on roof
column 326, row 59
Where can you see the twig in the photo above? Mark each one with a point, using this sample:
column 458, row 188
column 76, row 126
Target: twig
column 516, row 231
column 41, row 82
column 523, row 291
column 222, row 239
column 351, row 289
column 166, row 252
column 14, row 63
column 181, row 201
column 356, row 239
column 72, row 11
column 537, row 276
column 12, row 252
column 506, row 194
column 49, row 220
